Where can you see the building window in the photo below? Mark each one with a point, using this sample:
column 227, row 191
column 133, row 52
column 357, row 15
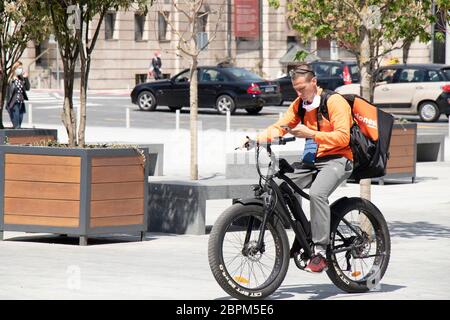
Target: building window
column 291, row 40
column 202, row 35
column 139, row 27
column 162, row 26
column 110, row 22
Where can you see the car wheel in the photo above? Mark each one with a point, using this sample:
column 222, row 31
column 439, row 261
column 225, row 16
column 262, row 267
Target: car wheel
column 173, row 109
column 146, row 101
column 225, row 103
column 253, row 110
column 429, row 111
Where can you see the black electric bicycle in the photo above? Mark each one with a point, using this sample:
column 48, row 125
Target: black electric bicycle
column 249, row 250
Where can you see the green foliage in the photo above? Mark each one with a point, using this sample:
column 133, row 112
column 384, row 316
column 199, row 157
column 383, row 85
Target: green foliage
column 345, row 22
column 301, row 55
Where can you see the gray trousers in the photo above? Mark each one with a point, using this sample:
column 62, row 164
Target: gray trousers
column 331, row 174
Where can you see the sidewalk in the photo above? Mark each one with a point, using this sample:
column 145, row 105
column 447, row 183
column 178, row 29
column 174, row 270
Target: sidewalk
column 169, row 266
column 176, row 266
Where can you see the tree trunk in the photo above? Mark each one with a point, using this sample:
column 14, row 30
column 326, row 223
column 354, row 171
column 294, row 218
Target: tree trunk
column 3, row 86
column 365, row 93
column 406, row 48
column 68, row 115
column 193, row 101
column 85, row 64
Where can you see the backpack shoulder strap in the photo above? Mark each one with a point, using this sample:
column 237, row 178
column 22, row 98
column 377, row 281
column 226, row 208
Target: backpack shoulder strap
column 323, row 108
column 301, row 112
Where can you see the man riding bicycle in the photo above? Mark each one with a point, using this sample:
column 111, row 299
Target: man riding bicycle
column 327, row 152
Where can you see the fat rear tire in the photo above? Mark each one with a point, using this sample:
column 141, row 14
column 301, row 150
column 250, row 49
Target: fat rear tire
column 334, row 272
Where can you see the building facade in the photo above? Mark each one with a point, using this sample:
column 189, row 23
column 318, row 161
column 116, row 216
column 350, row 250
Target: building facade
column 248, row 33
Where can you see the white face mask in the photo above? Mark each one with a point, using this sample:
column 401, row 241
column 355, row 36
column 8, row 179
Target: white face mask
column 314, row 104
column 19, row 71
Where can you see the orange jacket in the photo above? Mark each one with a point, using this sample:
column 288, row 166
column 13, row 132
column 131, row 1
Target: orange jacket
column 334, row 135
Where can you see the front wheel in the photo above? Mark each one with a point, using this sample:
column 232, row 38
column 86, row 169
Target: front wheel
column 360, row 246
column 239, row 267
column 146, row 101
column 225, row 103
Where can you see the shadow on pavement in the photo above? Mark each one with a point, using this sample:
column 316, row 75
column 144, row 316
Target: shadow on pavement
column 321, row 291
column 324, row 291
column 418, row 228
column 73, row 240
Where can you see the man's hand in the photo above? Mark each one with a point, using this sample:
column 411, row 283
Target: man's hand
column 302, row 131
column 247, row 144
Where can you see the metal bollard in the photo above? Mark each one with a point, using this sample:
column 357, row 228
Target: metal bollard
column 30, row 115
column 127, row 118
column 228, row 125
column 177, row 120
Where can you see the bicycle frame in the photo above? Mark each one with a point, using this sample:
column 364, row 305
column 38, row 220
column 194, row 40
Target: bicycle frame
column 271, row 192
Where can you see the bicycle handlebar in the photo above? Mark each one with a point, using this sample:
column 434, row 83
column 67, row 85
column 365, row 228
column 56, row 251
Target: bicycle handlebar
column 275, row 141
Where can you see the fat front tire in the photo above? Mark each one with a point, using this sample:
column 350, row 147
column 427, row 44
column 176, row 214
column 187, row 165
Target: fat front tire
column 251, row 275
column 147, row 101
column 361, row 269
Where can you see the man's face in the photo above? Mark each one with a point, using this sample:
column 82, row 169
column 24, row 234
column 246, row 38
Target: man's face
column 306, row 90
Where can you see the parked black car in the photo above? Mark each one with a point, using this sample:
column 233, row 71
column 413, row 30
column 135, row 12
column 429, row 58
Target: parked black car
column 225, row 88
column 330, row 75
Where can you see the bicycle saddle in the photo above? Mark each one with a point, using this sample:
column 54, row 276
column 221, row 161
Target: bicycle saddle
column 285, row 167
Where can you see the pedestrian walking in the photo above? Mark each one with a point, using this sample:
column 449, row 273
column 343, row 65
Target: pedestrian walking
column 155, row 66
column 16, row 94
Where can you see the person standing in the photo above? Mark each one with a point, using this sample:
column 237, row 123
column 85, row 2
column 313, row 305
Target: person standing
column 16, row 94
column 155, row 66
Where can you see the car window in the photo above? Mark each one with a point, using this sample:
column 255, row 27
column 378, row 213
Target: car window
column 411, row 75
column 446, row 73
column 211, row 75
column 354, row 70
column 322, row 70
column 433, row 76
column 183, row 77
column 243, row 74
column 386, row 75
column 336, row 71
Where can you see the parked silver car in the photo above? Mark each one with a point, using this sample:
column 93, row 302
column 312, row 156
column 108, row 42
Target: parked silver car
column 418, row 89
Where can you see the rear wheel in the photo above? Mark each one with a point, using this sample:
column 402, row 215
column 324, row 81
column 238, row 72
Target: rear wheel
column 360, row 232
column 225, row 103
column 146, row 101
column 429, row 111
column 242, row 270
column 254, row 110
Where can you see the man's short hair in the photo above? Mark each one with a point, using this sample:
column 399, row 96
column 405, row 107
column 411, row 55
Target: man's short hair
column 302, row 70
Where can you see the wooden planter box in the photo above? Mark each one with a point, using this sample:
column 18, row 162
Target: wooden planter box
column 402, row 153
column 24, row 136
column 82, row 192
